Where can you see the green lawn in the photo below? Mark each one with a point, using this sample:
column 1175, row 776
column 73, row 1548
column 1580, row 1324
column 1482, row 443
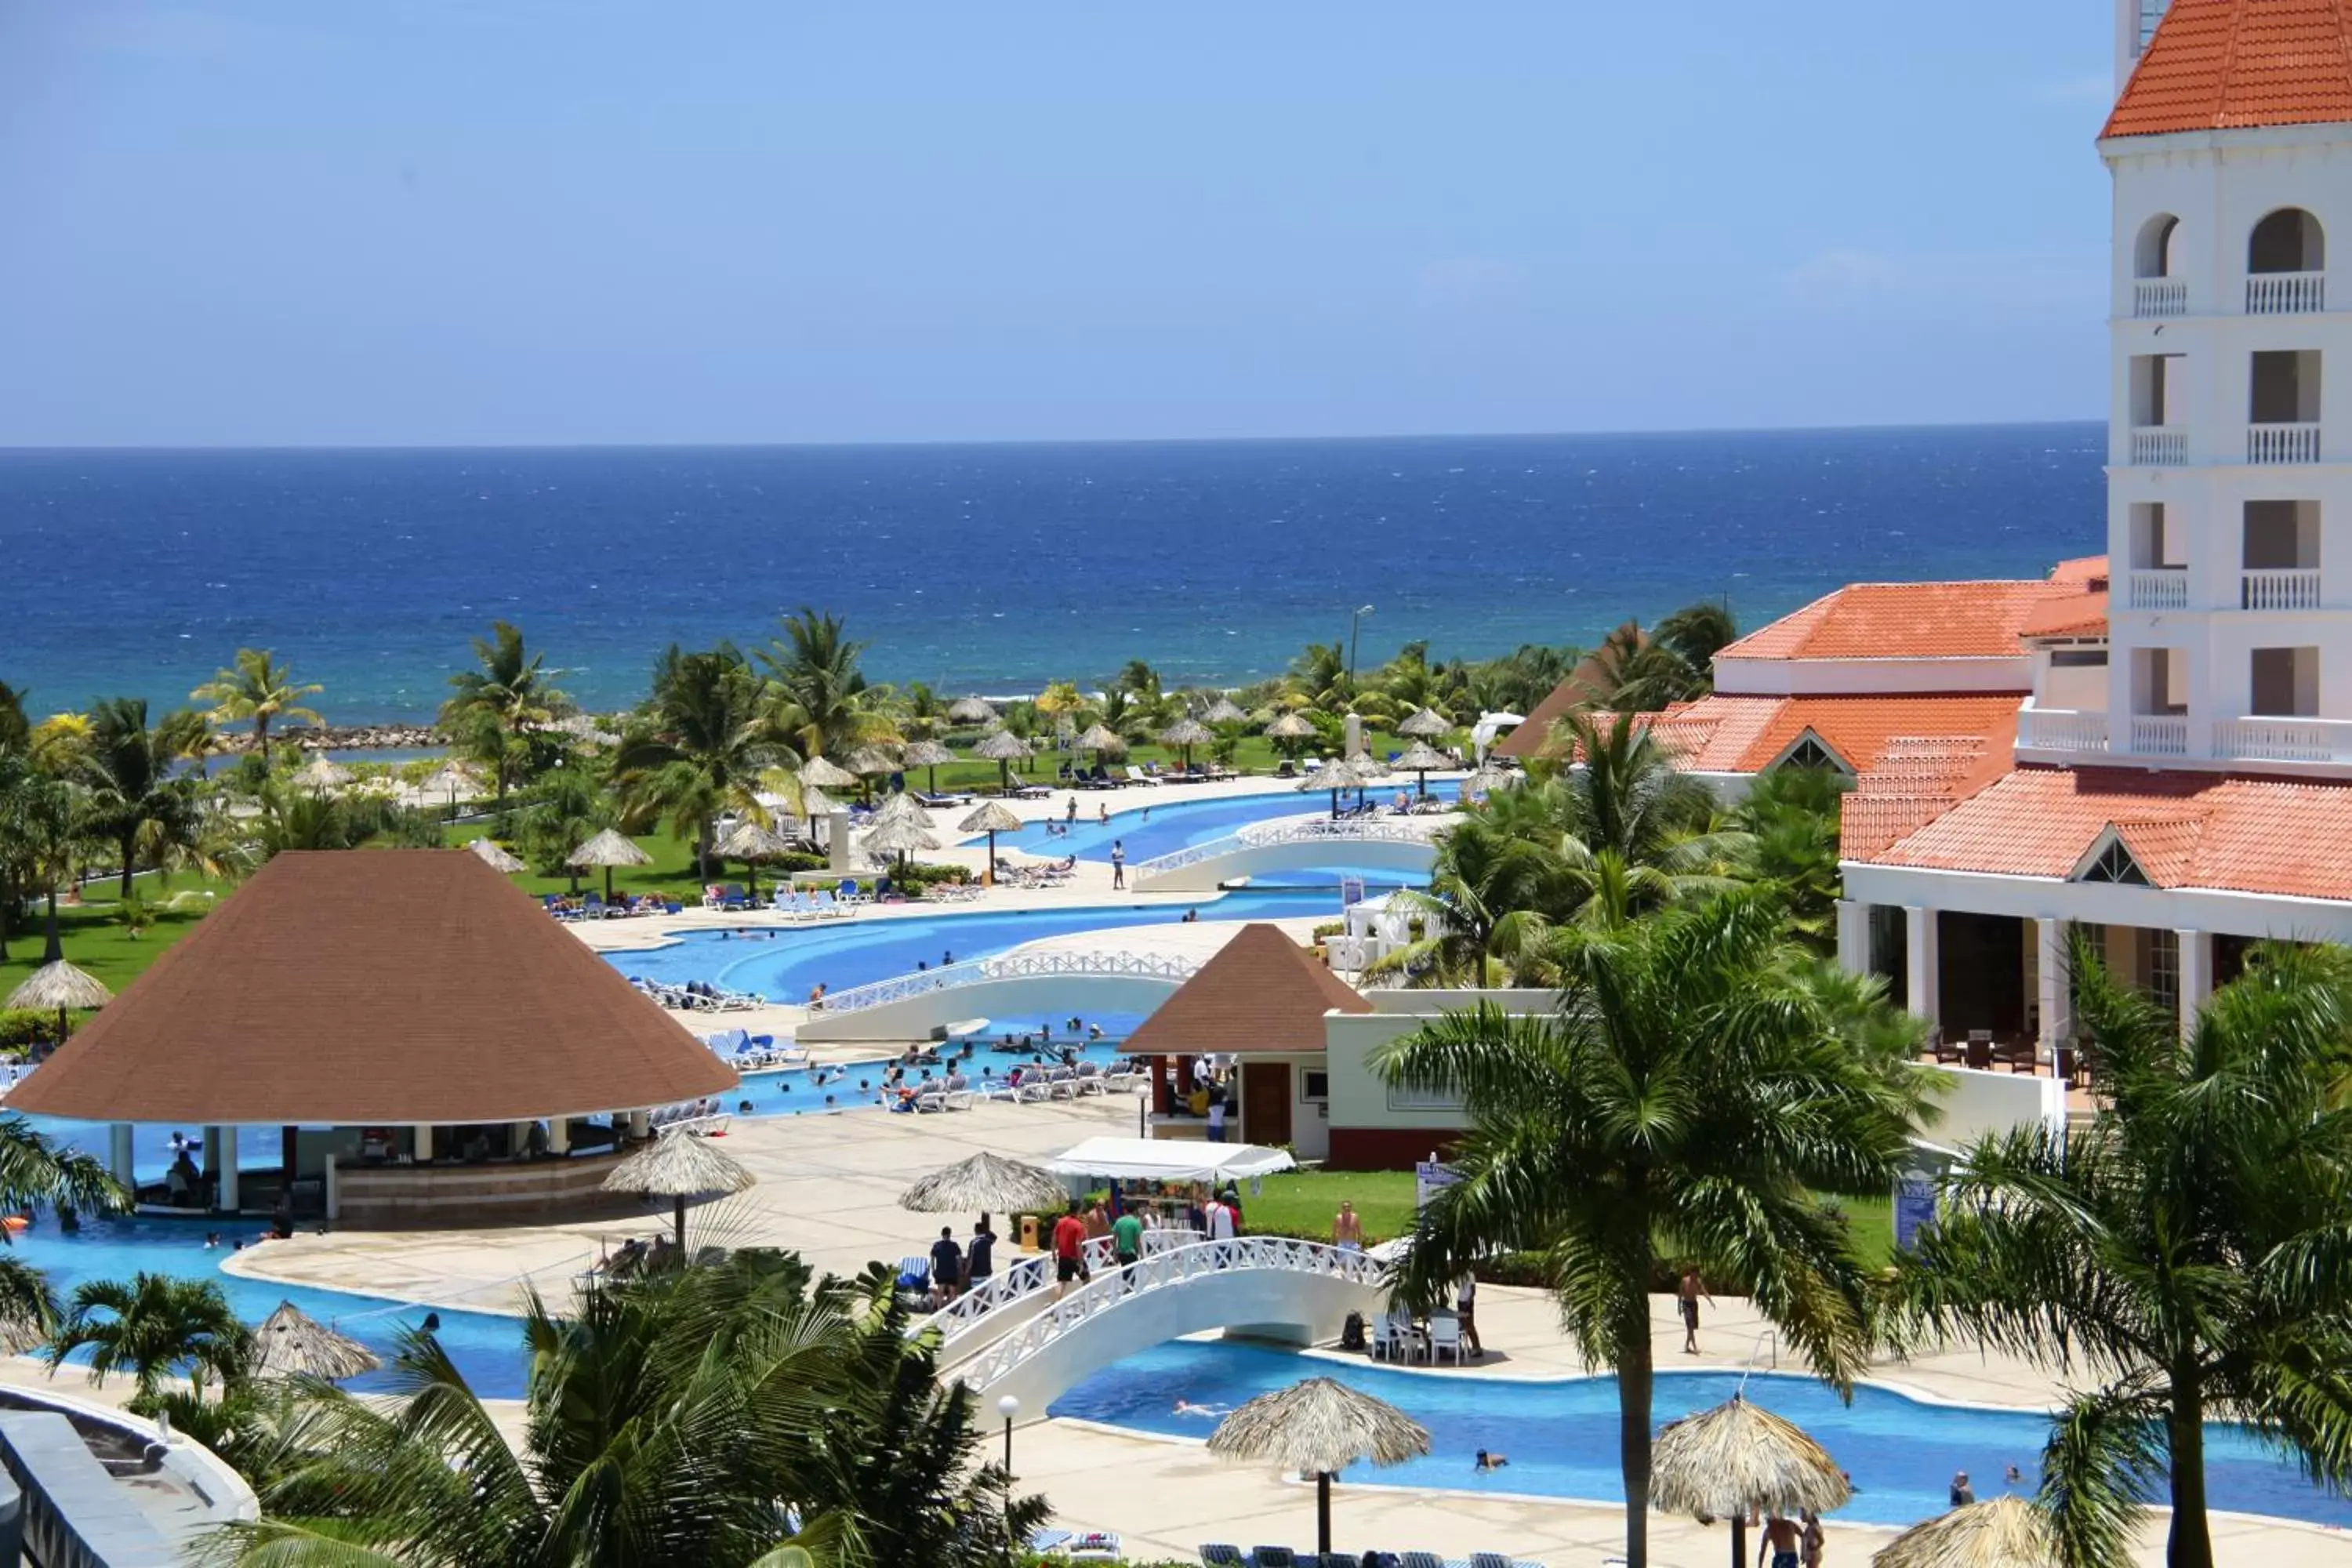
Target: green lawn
column 95, row 940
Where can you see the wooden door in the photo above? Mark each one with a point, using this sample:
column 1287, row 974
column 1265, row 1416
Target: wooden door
column 1265, row 1102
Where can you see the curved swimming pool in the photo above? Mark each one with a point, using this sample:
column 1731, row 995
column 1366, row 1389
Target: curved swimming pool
column 1561, row 1436
column 1148, row 831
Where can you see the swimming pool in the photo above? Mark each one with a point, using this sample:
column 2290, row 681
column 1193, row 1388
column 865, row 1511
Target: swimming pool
column 796, row 1092
column 1561, row 1436
column 1148, row 831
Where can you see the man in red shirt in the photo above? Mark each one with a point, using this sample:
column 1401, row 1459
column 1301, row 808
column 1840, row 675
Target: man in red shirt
column 1069, row 1251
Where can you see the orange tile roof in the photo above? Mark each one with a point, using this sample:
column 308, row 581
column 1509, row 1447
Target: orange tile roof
column 1905, row 620
column 2091, row 571
column 2186, row 829
column 2217, row 65
column 2078, row 615
column 1261, row 992
column 1744, row 735
column 1918, row 779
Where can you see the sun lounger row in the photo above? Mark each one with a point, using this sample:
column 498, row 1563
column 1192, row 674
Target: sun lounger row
column 594, row 906
column 698, row 996
column 1035, row 1084
column 1054, row 874
column 822, row 904
column 747, row 1052
column 1218, row 1555
column 706, row 1115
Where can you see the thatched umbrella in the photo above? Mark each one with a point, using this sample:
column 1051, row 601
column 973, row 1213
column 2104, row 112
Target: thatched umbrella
column 1419, row 758
column 927, row 755
column 1425, row 723
column 1187, row 733
column 1003, row 748
column 870, row 763
column 1223, row 710
column 900, row 807
column 986, row 1183
column 1100, row 738
column 1999, row 1532
column 608, row 849
column 451, row 781
column 291, row 1344
column 489, row 854
column 1290, row 727
column 1725, row 1462
column 1318, row 1428
column 1334, row 776
column 971, row 711
column 679, row 1165
column 322, row 772
column 825, row 774
column 900, row 838
column 60, row 985
column 752, row 842
column 991, row 817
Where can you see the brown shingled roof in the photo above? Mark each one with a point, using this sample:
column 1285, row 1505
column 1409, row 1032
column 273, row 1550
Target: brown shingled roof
column 374, row 987
column 1262, row 992
column 1583, row 687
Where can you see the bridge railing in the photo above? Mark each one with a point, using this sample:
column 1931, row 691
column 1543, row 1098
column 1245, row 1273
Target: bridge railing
column 1160, row 1271
column 1029, row 1278
column 1292, row 830
column 1009, row 966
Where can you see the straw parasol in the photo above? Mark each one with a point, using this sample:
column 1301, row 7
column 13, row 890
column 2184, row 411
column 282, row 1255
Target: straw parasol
column 1100, row 738
column 986, row 1183
column 1290, row 727
column 1419, row 758
column 927, row 755
column 1187, row 733
column 1318, row 1428
column 971, row 711
column 752, row 842
column 679, row 1165
column 498, row 859
column 1999, row 1532
column 1223, row 710
column 291, row 1344
column 1425, row 721
column 322, row 772
column 900, row 807
column 900, row 838
column 1003, row 748
column 991, row 817
column 1725, row 1462
column 825, row 775
column 870, row 763
column 60, row 985
column 608, row 849
column 451, row 781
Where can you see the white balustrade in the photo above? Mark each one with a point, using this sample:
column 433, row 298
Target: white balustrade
column 2275, row 739
column 2279, row 589
column 2159, row 446
column 1294, row 830
column 2284, row 294
column 2160, row 296
column 2160, row 734
column 2283, row 442
column 2062, row 730
column 978, row 1309
column 1010, row 966
column 2164, row 588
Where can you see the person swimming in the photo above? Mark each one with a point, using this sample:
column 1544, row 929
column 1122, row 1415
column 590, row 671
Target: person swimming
column 1213, row 1412
column 1487, row 1461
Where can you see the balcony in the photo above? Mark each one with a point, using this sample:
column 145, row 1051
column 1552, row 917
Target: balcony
column 2160, row 588
column 2157, row 298
column 2281, row 442
column 2284, row 294
column 2160, row 734
column 2074, row 732
column 2159, row 446
column 2283, row 740
column 2279, row 589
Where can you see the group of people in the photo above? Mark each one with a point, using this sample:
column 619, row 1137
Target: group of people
column 958, row 1270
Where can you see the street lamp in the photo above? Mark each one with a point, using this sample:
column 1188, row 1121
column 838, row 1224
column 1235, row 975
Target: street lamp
column 1009, row 1406
column 1354, row 621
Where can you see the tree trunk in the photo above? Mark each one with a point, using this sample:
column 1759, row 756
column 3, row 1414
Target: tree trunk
column 56, row 950
column 702, row 850
column 2191, row 1542
column 1634, row 1370
column 130, row 845
column 261, row 737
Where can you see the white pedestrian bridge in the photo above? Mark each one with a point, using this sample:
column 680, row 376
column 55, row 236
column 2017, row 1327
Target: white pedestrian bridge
column 1401, row 844
column 1262, row 1287
column 1013, row 985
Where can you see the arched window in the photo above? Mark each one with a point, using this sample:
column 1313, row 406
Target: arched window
column 2152, row 255
column 2288, row 241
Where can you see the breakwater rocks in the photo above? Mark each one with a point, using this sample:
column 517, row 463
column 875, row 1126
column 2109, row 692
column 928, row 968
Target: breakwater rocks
column 344, row 738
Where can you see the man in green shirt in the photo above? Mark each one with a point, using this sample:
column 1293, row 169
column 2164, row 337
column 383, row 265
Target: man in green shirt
column 1126, row 1245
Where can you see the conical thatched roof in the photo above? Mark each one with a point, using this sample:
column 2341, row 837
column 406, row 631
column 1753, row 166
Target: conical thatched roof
column 1367, row 768
column 873, row 760
column 1223, row 710
column 814, row 802
column 679, row 1165
column 1738, row 1457
column 321, row 773
column 498, row 859
column 1187, row 732
column 986, row 1183
column 608, row 848
column 1421, row 756
column 900, row 807
column 753, row 841
column 59, row 984
column 1100, row 738
column 991, row 817
column 1003, row 746
column 1425, row 721
column 826, row 775
column 1290, row 727
column 451, row 779
column 900, row 839
column 2000, row 1532
column 971, row 711
column 926, row 754
column 1317, row 1428
column 291, row 1344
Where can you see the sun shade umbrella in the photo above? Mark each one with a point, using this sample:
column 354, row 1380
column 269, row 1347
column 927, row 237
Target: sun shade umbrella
column 452, row 781
column 1100, row 738
column 927, row 755
column 1289, row 727
column 321, row 773
column 901, row 807
column 1737, row 1458
column 1223, row 710
column 608, row 849
column 986, row 1183
column 1318, row 1428
column 59, row 985
column 679, row 1165
column 291, row 1344
column 1419, row 758
column 1003, row 748
column 752, row 842
column 993, row 817
column 870, row 763
column 1426, row 721
column 496, row 859
column 825, row 775
column 971, row 711
column 900, row 839
column 1999, row 1532
column 1187, row 733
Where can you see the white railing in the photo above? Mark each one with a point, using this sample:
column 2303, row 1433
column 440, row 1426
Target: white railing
column 2283, row 442
column 2160, row 296
column 2160, row 734
column 2283, row 740
column 2159, row 446
column 1010, row 966
column 1161, row 1271
column 2165, row 588
column 1029, row 1277
column 1293, row 830
column 2062, row 730
column 2295, row 588
column 2285, row 293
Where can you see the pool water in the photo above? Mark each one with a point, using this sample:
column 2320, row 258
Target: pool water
column 796, row 1092
column 1561, row 1436
column 1147, row 832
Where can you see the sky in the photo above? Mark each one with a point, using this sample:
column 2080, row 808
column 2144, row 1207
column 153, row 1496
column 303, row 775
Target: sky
column 280, row 223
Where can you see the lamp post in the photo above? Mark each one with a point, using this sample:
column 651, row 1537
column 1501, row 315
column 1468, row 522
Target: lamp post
column 1354, row 622
column 1009, row 1406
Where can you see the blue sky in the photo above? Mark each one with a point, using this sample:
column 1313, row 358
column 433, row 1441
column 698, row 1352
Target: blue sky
column 527, row 221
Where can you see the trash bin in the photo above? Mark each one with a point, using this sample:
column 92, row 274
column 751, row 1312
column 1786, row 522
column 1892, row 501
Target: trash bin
column 1029, row 1233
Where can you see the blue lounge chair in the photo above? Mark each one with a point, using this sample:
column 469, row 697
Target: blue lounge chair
column 1218, row 1554
column 1273, row 1557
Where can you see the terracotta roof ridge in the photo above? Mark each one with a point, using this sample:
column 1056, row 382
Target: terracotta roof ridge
column 2230, row 64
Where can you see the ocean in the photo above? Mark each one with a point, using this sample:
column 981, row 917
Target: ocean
column 978, row 568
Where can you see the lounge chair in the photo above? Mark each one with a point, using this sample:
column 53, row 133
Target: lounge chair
column 1218, row 1554
column 1093, row 1546
column 1424, row 1560
column 1273, row 1557
column 1491, row 1560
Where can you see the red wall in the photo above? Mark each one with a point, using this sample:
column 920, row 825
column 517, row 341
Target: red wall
column 1385, row 1148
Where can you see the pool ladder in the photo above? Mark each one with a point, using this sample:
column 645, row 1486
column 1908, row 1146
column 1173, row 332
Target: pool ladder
column 1753, row 1352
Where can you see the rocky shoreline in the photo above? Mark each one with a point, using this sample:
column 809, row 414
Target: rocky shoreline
column 342, row 738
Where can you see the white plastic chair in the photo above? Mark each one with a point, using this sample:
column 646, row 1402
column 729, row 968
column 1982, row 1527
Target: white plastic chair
column 1444, row 1337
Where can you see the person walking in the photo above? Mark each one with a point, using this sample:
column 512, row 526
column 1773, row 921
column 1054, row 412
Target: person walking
column 1069, row 1250
column 1686, row 1295
column 1810, row 1541
column 1118, row 863
column 1217, row 1111
column 946, row 1266
column 1126, row 1245
column 1780, row 1542
column 980, row 1255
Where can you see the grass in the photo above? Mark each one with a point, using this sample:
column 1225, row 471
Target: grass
column 96, row 939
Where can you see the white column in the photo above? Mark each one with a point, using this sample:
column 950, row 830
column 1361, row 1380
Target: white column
column 2057, row 995
column 1352, row 731
column 1854, row 936
column 117, row 1153
column 559, row 1134
column 423, row 1141
column 334, row 1189
column 212, row 1151
column 641, row 1124
column 229, row 1198
column 836, row 842
column 2196, row 975
column 1921, row 953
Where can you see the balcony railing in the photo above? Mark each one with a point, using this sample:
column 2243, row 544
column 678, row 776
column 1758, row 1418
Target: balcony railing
column 2287, row 589
column 2062, row 730
column 2161, row 588
column 2158, row 445
column 2283, row 740
column 2283, row 293
column 2160, row 734
column 2159, row 297
column 2281, row 442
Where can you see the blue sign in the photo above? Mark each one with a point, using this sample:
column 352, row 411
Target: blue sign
column 1915, row 1207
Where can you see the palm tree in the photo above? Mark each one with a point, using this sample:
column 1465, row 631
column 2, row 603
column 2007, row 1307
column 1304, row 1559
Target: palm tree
column 256, row 688
column 1487, row 914
column 705, row 741
column 2187, row 1251
column 134, row 801
column 563, row 808
column 44, row 828
column 1791, row 817
column 1687, row 1095
column 817, row 683
column 153, row 1327
column 1693, row 635
column 493, row 712
column 15, row 729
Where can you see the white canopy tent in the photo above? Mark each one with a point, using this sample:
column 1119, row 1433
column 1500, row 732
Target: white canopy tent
column 1169, row 1160
column 1489, row 725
